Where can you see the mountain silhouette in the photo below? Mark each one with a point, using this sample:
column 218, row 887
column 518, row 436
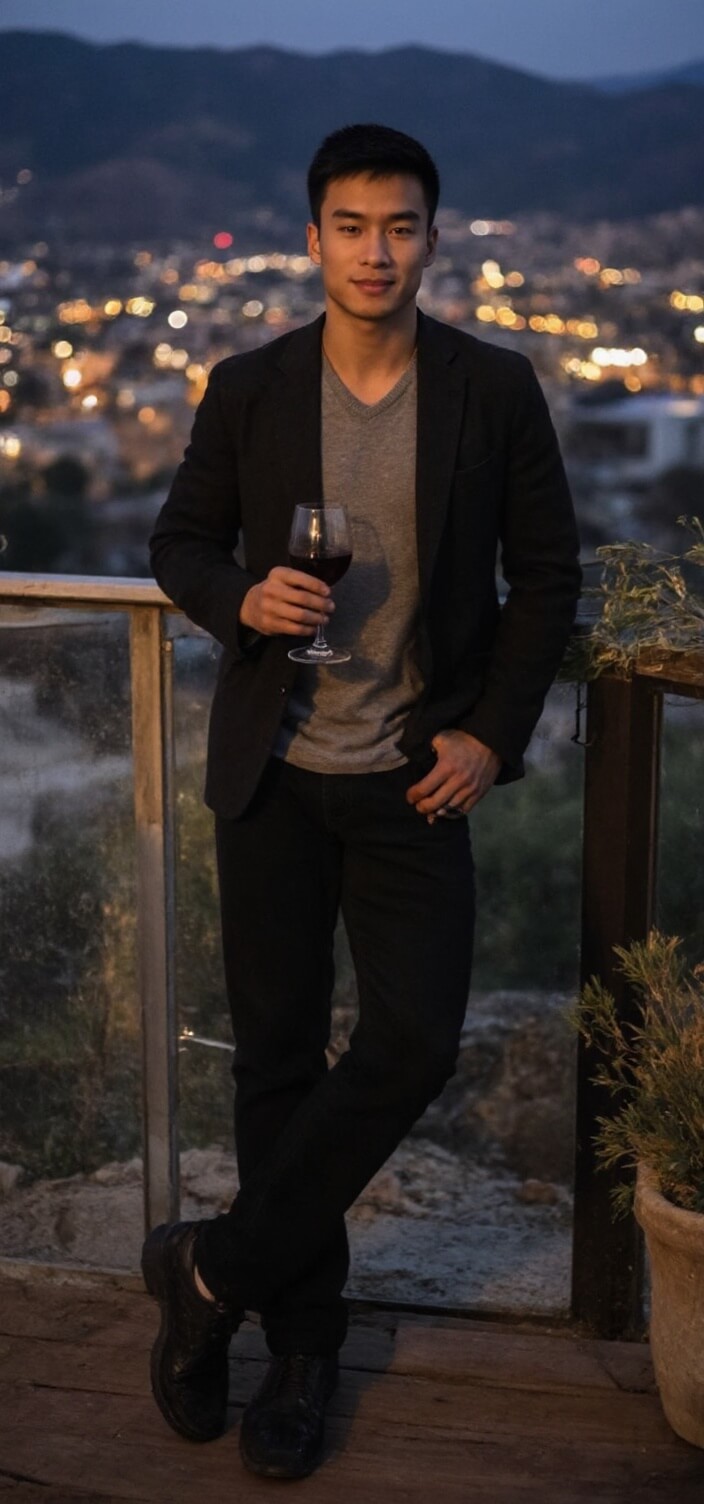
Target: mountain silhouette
column 127, row 141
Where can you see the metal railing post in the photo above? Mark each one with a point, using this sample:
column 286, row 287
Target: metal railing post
column 151, row 658
column 618, row 888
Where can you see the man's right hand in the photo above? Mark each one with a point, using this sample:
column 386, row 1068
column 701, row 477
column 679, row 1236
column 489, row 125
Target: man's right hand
column 287, row 601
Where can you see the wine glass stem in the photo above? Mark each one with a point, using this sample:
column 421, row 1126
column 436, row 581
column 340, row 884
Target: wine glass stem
column 319, row 637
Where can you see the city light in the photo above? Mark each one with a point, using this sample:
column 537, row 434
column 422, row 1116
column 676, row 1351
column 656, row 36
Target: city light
column 215, row 271
column 177, row 319
column 140, row 308
column 10, row 446
column 5, row 401
column 89, row 401
column 585, row 328
column 76, row 311
column 62, row 349
column 604, row 357
column 253, row 309
column 588, row 265
column 71, row 378
column 699, row 334
column 586, row 370
column 146, row 415
column 491, row 271
column 112, row 308
column 687, row 302
column 492, row 227
column 509, row 319
column 223, row 240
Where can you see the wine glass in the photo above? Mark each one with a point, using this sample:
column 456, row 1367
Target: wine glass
column 320, row 543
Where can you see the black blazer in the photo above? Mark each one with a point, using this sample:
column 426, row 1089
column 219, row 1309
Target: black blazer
column 489, row 473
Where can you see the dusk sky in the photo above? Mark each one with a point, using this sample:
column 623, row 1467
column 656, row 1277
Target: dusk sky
column 557, row 38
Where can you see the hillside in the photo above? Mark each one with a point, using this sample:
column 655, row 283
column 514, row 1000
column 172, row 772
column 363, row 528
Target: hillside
column 125, row 141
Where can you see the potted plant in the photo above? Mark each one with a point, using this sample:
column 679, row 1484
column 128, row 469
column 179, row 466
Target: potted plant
column 655, row 1070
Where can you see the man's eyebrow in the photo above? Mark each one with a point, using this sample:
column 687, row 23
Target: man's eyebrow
column 354, row 214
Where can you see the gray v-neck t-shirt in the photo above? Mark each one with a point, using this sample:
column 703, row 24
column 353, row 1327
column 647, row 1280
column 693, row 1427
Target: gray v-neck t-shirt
column 348, row 718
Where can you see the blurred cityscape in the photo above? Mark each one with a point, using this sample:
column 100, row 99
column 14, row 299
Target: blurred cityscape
column 105, row 352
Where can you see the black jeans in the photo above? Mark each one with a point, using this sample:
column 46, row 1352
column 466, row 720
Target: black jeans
column 309, row 1139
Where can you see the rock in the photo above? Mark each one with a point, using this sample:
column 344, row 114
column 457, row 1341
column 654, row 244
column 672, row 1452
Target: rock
column 118, row 1172
column 65, row 1226
column 541, row 1191
column 10, row 1175
column 209, row 1180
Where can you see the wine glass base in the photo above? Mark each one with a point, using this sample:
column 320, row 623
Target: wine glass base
column 320, row 656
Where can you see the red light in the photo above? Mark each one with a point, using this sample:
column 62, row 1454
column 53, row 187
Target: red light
column 223, row 240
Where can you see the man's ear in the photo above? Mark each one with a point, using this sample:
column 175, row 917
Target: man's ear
column 432, row 245
column 313, row 238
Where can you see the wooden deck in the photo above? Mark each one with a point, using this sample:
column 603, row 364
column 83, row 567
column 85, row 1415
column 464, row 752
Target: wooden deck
column 428, row 1409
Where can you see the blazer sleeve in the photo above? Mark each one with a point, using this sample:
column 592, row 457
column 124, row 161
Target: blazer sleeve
column 539, row 551
column 196, row 531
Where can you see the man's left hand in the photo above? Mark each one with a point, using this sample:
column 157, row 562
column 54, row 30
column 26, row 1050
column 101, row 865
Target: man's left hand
column 464, row 772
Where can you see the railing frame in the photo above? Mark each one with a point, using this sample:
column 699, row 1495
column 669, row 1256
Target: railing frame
column 624, row 719
column 151, row 674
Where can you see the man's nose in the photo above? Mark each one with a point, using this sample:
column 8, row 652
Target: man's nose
column 375, row 250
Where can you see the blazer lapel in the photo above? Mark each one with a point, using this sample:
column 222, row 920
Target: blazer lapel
column 297, row 425
column 441, row 404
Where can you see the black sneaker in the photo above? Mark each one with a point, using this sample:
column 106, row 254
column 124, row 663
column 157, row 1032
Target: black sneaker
column 189, row 1371
column 281, row 1435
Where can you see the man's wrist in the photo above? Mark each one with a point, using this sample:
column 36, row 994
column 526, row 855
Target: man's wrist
column 245, row 618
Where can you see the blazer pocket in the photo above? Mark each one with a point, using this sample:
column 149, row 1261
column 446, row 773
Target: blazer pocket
column 472, row 472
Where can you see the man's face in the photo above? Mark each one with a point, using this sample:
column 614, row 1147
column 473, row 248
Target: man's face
column 373, row 244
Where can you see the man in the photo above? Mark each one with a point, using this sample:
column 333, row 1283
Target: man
column 345, row 786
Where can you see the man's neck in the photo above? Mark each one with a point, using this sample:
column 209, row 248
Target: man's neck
column 370, row 356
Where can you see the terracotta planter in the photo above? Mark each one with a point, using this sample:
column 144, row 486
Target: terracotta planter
column 675, row 1244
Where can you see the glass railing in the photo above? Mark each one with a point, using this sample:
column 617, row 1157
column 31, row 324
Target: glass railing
column 116, row 1100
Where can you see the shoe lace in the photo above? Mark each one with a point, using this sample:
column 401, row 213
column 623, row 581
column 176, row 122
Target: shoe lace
column 292, row 1377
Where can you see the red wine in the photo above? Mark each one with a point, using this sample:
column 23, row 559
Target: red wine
column 328, row 567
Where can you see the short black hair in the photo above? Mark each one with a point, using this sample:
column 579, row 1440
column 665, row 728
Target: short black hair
column 376, row 151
